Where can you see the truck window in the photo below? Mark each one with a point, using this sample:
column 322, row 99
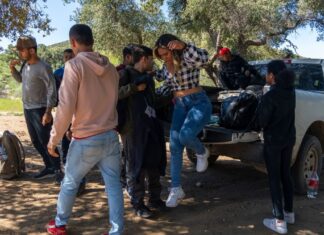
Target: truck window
column 308, row 76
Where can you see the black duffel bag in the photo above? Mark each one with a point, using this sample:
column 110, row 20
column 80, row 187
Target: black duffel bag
column 238, row 112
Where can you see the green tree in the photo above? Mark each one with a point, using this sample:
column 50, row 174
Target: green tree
column 19, row 17
column 245, row 23
column 116, row 23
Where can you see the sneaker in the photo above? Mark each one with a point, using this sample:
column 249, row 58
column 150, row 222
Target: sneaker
column 202, row 161
column 175, row 196
column 157, row 204
column 59, row 175
column 143, row 211
column 82, row 188
column 289, row 217
column 45, row 173
column 55, row 230
column 279, row 226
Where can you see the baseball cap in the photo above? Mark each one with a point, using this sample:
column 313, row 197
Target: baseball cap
column 24, row 42
column 224, row 51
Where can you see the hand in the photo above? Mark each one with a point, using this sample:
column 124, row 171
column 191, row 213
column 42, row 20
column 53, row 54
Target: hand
column 13, row 63
column 52, row 150
column 141, row 87
column 176, row 45
column 47, row 118
column 68, row 135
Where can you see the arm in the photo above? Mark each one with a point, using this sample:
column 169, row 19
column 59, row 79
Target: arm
column 16, row 75
column 265, row 111
column 126, row 88
column 66, row 108
column 49, row 81
column 195, row 56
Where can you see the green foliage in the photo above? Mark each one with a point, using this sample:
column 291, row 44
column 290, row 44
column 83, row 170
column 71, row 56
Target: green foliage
column 19, row 17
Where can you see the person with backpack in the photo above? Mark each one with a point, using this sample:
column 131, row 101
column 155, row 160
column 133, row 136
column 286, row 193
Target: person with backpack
column 143, row 134
column 276, row 117
column 235, row 72
column 39, row 97
column 192, row 107
column 88, row 98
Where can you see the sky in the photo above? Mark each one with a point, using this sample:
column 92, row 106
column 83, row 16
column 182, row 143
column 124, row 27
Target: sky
column 59, row 13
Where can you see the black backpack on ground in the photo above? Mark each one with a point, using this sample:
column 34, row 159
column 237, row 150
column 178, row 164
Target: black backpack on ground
column 12, row 156
column 238, row 112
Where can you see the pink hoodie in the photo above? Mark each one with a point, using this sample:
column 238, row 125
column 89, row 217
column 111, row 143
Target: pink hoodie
column 87, row 98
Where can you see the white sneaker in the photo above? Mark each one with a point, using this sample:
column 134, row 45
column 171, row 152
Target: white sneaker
column 175, row 196
column 289, row 217
column 202, row 161
column 279, row 226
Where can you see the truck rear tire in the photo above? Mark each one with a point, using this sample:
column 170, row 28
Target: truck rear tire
column 193, row 158
column 309, row 158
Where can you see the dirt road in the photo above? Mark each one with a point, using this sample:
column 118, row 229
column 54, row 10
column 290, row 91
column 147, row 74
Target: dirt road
column 233, row 199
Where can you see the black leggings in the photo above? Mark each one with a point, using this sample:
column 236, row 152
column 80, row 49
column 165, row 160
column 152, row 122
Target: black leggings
column 277, row 159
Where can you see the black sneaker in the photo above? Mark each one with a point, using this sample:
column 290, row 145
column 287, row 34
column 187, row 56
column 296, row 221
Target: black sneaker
column 82, row 188
column 157, row 205
column 59, row 175
column 45, row 173
column 144, row 212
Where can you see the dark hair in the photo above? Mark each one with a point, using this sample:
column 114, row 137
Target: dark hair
column 68, row 50
column 285, row 79
column 82, row 34
column 163, row 42
column 140, row 51
column 276, row 66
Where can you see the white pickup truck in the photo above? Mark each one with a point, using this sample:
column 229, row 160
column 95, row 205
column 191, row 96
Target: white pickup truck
column 248, row 146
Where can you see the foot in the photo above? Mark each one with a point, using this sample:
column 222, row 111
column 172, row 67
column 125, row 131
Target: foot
column 59, row 175
column 175, row 196
column 289, row 217
column 45, row 173
column 279, row 226
column 202, row 161
column 55, row 230
column 82, row 188
column 157, row 204
column 143, row 212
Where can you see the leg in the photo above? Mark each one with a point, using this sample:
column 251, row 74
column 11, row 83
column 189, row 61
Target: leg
column 197, row 117
column 33, row 117
column 154, row 185
column 176, row 148
column 65, row 148
column 136, row 187
column 273, row 161
column 82, row 156
column 110, row 170
column 286, row 179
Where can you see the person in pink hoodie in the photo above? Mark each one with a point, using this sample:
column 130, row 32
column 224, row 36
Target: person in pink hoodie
column 88, row 98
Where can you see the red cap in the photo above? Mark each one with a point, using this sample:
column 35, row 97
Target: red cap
column 224, row 51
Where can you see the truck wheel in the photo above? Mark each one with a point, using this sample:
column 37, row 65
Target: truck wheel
column 308, row 160
column 193, row 158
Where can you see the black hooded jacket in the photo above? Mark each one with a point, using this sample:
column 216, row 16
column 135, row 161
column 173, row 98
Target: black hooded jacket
column 276, row 114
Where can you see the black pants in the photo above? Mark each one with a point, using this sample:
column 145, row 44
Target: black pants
column 65, row 147
column 136, row 187
column 40, row 135
column 277, row 159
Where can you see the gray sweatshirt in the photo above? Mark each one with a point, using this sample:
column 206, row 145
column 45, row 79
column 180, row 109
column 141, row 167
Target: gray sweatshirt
column 38, row 85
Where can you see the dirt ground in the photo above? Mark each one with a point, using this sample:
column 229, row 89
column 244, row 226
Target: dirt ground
column 233, row 199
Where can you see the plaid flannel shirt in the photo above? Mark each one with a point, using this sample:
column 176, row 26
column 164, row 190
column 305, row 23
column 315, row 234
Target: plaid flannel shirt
column 187, row 77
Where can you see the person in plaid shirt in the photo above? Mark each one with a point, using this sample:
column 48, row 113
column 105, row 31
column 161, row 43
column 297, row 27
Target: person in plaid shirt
column 192, row 107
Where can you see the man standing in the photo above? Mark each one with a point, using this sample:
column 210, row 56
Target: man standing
column 88, row 98
column 39, row 97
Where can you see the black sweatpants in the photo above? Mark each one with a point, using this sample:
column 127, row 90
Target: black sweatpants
column 277, row 159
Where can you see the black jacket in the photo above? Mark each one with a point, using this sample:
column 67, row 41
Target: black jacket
column 276, row 115
column 233, row 74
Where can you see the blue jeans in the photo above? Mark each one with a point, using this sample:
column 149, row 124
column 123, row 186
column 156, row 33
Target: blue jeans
column 40, row 135
column 191, row 113
column 101, row 150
